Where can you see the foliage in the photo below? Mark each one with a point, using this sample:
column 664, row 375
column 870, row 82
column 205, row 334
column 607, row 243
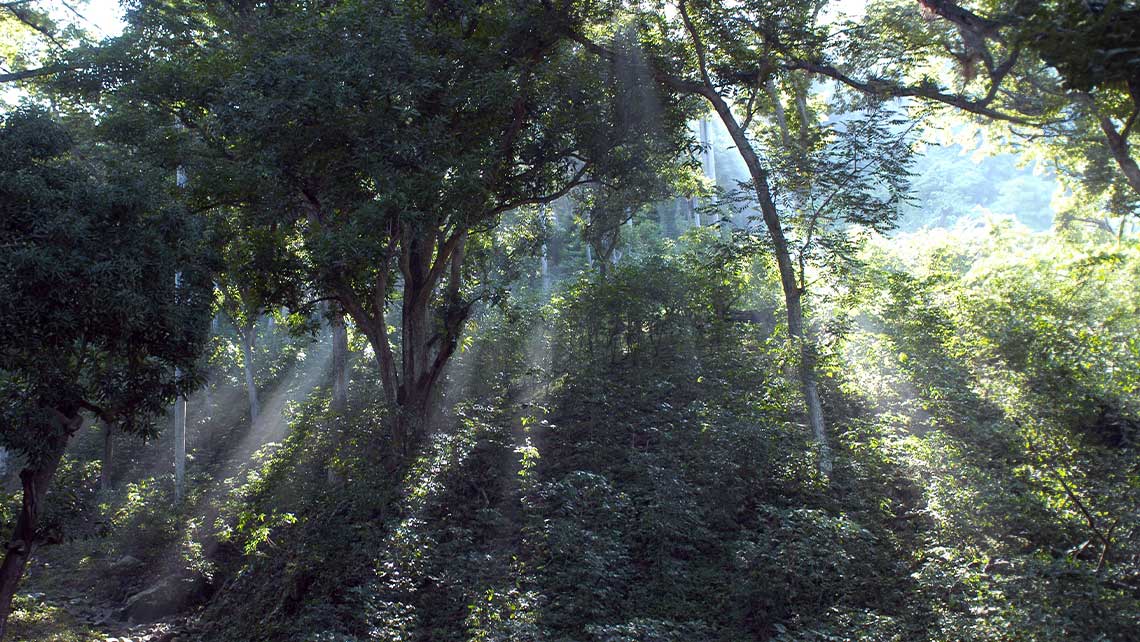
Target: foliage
column 89, row 257
column 1008, row 63
column 617, row 448
column 983, row 378
column 665, row 301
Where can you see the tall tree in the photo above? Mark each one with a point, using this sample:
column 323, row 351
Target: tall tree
column 259, row 274
column 88, row 251
column 385, row 134
column 831, row 177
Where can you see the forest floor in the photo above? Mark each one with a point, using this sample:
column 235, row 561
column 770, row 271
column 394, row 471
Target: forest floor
column 76, row 591
column 65, row 600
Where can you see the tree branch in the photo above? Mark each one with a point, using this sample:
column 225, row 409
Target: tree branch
column 698, row 44
column 39, row 72
column 579, row 178
column 890, row 89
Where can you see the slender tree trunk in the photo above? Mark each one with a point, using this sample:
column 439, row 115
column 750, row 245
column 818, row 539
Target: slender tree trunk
column 788, row 281
column 35, row 480
column 247, row 336
column 778, row 109
column 545, row 269
column 180, row 412
column 544, row 216
column 339, row 402
column 1118, row 145
column 108, row 456
column 801, row 85
column 709, row 164
column 339, row 361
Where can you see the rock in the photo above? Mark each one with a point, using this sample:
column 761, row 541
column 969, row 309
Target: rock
column 167, row 597
column 126, row 563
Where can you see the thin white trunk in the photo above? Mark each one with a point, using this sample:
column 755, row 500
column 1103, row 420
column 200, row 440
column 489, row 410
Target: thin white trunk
column 108, row 456
column 339, row 361
column 709, row 155
column 247, row 335
column 778, row 110
column 545, row 268
column 180, row 412
column 179, row 403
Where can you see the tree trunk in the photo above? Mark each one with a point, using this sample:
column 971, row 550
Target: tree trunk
column 35, row 481
column 339, row 361
column 709, row 160
column 427, row 342
column 1118, row 145
column 545, row 269
column 108, row 455
column 247, row 336
column 180, row 411
column 788, row 281
column 778, row 109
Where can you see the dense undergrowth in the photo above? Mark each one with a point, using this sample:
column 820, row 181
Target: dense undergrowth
column 620, row 464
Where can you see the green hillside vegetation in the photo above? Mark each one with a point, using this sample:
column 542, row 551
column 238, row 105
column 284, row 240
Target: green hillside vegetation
column 510, row 321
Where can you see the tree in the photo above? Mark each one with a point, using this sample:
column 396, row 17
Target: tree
column 726, row 54
column 29, row 35
column 384, row 135
column 89, row 245
column 108, row 455
column 259, row 274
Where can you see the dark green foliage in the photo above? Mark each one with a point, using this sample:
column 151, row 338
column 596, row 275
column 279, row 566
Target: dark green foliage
column 659, row 303
column 105, row 288
column 1108, row 33
column 89, row 250
column 669, row 494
